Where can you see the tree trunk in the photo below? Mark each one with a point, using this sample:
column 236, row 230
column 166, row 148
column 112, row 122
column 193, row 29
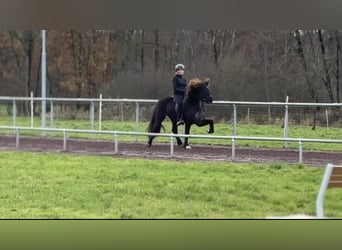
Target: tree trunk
column 326, row 79
column 300, row 52
column 156, row 50
column 26, row 38
column 214, row 43
column 338, row 51
column 76, row 40
column 142, row 51
column 177, row 46
column 312, row 91
column 267, row 88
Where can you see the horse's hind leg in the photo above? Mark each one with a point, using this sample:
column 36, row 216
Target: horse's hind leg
column 175, row 131
column 211, row 126
column 155, row 129
column 150, row 139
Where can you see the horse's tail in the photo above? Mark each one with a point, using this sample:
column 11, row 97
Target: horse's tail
column 158, row 116
column 156, row 120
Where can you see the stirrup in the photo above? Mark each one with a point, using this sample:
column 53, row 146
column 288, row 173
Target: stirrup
column 180, row 122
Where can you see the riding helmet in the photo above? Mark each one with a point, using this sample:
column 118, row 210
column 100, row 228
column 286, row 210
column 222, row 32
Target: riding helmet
column 179, row 66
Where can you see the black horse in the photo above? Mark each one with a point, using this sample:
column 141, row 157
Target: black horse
column 193, row 111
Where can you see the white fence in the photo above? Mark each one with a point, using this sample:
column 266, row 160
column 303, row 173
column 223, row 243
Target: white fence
column 100, row 101
column 116, row 135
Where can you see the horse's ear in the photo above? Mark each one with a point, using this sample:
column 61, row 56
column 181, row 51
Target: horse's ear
column 207, row 81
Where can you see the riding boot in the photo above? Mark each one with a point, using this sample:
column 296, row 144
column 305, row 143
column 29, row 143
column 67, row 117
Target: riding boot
column 180, row 120
column 179, row 109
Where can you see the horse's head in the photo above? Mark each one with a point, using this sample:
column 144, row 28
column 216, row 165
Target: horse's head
column 199, row 90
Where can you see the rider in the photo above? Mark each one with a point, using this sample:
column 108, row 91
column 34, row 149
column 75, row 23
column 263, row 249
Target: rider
column 179, row 88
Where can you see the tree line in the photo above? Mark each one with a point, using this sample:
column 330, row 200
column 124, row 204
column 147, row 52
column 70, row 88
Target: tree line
column 242, row 65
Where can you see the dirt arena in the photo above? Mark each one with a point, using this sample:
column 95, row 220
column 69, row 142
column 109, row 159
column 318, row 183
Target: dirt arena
column 162, row 151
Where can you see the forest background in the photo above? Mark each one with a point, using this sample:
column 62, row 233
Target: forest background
column 242, row 65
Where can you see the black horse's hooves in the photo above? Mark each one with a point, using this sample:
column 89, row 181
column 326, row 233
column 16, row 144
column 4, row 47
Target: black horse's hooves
column 210, row 131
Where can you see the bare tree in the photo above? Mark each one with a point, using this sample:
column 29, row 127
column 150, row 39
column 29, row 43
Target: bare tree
column 337, row 60
column 300, row 51
column 27, row 41
column 156, row 50
column 243, row 65
column 214, row 34
column 326, row 79
column 142, row 51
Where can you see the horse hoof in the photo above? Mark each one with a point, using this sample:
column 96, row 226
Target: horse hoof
column 210, row 131
column 188, row 147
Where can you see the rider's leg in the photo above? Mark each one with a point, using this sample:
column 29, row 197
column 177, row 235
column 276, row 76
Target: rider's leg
column 179, row 109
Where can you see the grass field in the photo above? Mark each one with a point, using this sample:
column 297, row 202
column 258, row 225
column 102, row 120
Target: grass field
column 220, row 129
column 66, row 186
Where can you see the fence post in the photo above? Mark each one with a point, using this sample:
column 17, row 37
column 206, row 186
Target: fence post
column 286, row 122
column 300, row 151
column 100, row 112
column 92, row 115
column 248, row 111
column 233, row 149
column 16, row 138
column 64, row 140
column 51, row 114
column 322, row 189
column 122, row 112
column 171, row 146
column 43, row 81
column 14, row 112
column 31, row 102
column 327, row 117
column 234, row 120
column 137, row 119
column 116, row 148
column 269, row 115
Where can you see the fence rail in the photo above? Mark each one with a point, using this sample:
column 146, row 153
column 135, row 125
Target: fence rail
column 116, row 134
column 137, row 103
column 298, row 104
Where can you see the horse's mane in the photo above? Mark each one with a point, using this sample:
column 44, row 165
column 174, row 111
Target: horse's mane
column 195, row 82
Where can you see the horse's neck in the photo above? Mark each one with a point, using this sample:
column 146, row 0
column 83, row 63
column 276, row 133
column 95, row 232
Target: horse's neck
column 201, row 106
column 197, row 104
column 190, row 98
column 190, row 101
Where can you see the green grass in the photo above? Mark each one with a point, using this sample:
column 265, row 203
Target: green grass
column 65, row 186
column 220, row 129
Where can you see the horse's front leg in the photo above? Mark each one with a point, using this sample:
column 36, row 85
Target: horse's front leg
column 205, row 122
